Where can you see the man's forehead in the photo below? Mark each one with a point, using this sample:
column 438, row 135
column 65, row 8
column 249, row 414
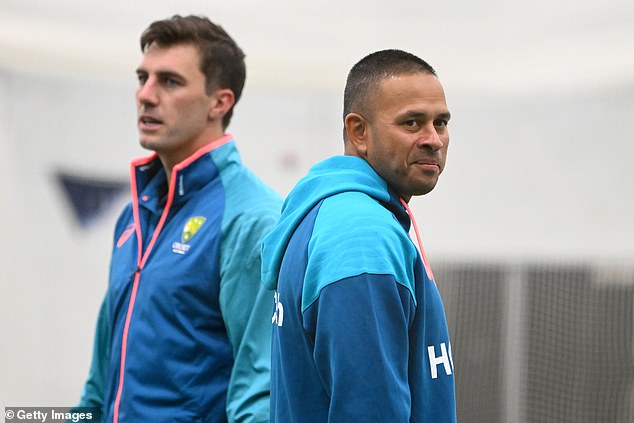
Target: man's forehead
column 418, row 90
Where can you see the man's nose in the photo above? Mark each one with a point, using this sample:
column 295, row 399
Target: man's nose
column 147, row 93
column 430, row 138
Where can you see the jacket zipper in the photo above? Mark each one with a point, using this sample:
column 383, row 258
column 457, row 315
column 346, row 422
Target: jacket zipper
column 143, row 257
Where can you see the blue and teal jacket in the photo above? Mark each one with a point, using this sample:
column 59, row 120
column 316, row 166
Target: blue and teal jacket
column 359, row 331
column 182, row 334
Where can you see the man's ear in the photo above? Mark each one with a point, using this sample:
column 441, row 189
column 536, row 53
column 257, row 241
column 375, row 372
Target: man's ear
column 356, row 127
column 221, row 102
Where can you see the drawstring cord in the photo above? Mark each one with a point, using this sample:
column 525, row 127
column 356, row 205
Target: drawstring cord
column 426, row 264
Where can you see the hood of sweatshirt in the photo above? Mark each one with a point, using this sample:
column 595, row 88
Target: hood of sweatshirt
column 330, row 177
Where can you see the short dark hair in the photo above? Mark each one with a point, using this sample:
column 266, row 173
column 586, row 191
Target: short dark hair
column 367, row 74
column 221, row 60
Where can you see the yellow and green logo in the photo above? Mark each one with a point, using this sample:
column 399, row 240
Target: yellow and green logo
column 191, row 227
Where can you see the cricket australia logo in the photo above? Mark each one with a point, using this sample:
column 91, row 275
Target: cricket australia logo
column 192, row 226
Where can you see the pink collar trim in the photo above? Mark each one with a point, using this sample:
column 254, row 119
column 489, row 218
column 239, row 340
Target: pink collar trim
column 217, row 143
column 426, row 264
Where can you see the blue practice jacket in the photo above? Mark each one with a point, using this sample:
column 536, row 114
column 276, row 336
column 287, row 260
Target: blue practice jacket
column 182, row 335
column 359, row 331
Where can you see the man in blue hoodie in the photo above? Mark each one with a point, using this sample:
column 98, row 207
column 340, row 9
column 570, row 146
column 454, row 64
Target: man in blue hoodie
column 359, row 330
column 183, row 333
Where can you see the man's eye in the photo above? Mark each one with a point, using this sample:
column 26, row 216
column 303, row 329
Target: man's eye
column 441, row 122
column 142, row 79
column 171, row 82
column 411, row 123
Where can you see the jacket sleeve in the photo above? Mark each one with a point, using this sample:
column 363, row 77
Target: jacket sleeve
column 360, row 327
column 247, row 308
column 93, row 391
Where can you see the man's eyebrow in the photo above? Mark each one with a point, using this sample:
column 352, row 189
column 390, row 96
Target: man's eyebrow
column 409, row 114
column 171, row 74
column 161, row 74
column 446, row 115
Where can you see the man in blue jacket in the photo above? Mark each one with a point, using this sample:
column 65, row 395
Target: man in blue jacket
column 359, row 331
column 182, row 333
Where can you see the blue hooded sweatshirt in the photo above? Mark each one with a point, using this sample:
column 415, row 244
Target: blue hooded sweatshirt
column 359, row 330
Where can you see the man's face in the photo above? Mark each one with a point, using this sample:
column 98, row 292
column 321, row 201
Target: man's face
column 172, row 104
column 407, row 132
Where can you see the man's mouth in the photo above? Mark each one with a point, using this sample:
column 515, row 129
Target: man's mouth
column 149, row 122
column 427, row 163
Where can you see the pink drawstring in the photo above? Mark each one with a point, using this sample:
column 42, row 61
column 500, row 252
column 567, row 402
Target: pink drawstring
column 426, row 264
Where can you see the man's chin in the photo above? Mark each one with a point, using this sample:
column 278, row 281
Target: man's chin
column 147, row 144
column 425, row 188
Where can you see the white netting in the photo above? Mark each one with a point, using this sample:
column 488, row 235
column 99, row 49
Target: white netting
column 541, row 342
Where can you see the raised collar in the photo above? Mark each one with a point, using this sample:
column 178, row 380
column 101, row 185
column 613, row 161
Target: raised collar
column 149, row 182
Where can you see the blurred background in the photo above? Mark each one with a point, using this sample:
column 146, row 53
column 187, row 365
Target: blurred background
column 530, row 230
